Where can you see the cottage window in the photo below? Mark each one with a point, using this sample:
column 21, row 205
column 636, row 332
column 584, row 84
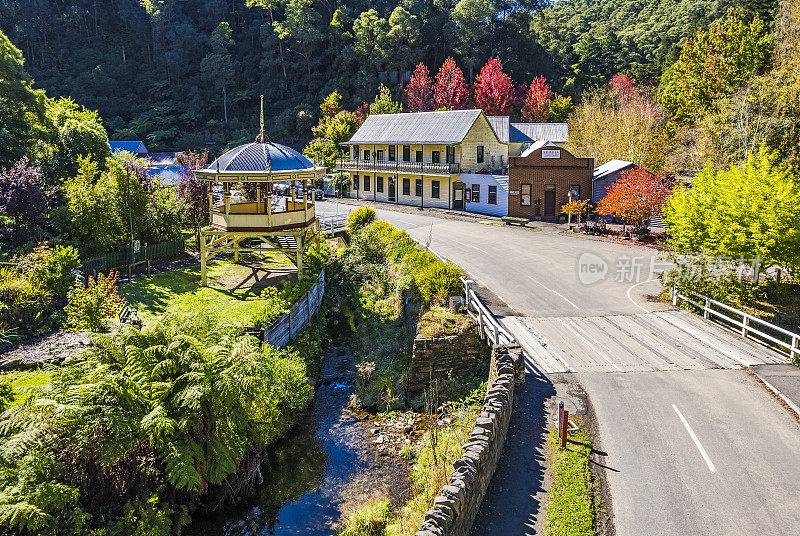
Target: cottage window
column 435, row 189
column 577, row 189
column 406, row 186
column 525, row 195
column 379, row 184
column 355, row 182
column 435, row 157
column 380, row 154
column 366, row 154
column 418, row 188
column 476, row 193
column 392, row 154
column 480, row 154
column 406, row 153
column 366, row 183
column 355, row 152
column 419, row 156
column 451, row 155
column 492, row 195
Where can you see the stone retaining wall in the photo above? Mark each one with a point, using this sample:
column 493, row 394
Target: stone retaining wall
column 442, row 357
column 455, row 508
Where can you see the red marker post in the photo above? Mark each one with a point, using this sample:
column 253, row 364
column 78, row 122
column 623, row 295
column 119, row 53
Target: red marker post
column 564, row 429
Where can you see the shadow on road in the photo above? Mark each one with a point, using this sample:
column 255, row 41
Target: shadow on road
column 512, row 500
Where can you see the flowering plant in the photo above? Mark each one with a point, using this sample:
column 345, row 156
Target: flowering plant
column 90, row 305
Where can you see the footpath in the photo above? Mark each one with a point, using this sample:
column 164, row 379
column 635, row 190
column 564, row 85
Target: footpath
column 783, row 381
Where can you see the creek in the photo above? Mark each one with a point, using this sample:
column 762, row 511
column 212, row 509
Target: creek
column 323, row 469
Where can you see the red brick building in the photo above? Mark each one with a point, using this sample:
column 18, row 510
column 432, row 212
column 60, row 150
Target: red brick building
column 540, row 180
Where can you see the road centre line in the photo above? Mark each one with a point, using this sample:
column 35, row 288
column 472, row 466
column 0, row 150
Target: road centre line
column 471, row 246
column 694, row 438
column 557, row 294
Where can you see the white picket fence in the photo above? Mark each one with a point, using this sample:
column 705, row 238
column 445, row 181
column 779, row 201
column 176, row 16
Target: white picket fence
column 290, row 324
column 749, row 325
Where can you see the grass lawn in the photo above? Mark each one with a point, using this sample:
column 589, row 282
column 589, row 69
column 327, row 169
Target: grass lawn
column 234, row 289
column 570, row 507
column 22, row 379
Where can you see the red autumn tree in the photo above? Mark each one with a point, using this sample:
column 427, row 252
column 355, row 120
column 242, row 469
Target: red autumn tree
column 622, row 85
column 635, row 197
column 450, row 90
column 494, row 90
column 419, row 91
column 536, row 108
column 361, row 113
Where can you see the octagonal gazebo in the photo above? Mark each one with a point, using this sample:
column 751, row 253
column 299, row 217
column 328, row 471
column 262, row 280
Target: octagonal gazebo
column 286, row 223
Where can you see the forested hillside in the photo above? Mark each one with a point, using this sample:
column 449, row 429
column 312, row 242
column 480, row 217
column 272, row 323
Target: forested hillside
column 187, row 73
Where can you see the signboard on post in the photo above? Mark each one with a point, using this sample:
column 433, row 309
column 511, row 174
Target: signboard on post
column 551, row 153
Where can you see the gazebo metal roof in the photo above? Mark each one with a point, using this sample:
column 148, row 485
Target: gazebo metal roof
column 261, row 161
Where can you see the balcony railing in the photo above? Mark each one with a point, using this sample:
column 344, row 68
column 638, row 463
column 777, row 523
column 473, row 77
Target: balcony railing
column 398, row 167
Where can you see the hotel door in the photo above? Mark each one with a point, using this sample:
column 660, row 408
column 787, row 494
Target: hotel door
column 550, row 201
column 458, row 196
column 392, row 190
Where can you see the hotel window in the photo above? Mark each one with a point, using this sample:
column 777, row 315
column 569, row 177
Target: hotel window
column 419, row 156
column 451, row 155
column 480, row 154
column 406, row 153
column 418, row 188
column 492, row 195
column 406, row 186
column 476, row 193
column 525, row 195
column 379, row 184
column 366, row 183
column 435, row 189
column 435, row 157
column 366, row 154
column 392, row 154
column 379, row 155
column 355, row 152
column 355, row 182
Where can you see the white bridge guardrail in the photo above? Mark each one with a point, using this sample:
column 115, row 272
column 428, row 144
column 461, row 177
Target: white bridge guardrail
column 332, row 224
column 731, row 315
column 488, row 325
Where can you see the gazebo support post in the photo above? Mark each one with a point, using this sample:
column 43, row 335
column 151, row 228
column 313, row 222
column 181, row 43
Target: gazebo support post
column 236, row 250
column 299, row 256
column 203, row 280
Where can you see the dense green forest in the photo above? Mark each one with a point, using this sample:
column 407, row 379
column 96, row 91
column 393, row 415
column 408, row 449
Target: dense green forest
column 184, row 74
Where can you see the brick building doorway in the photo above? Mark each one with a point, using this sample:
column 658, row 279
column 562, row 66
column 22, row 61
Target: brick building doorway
column 550, row 201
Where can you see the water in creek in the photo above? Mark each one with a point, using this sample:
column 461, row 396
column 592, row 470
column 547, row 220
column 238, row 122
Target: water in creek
column 323, row 469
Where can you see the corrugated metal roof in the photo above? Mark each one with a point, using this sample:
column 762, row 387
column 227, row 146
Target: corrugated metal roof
column 612, row 166
column 500, row 125
column 135, row 147
column 261, row 157
column 163, row 159
column 530, row 132
column 445, row 127
column 536, row 145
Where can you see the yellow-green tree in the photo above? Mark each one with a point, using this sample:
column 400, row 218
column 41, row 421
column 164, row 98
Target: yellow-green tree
column 713, row 64
column 750, row 210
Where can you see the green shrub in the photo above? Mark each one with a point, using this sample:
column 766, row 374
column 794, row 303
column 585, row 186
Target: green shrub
column 55, row 268
column 358, row 219
column 707, row 275
column 369, row 520
column 438, row 281
column 90, row 305
column 23, row 301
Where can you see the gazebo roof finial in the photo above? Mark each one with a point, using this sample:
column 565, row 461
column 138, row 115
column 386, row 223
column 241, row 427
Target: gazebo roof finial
column 262, row 138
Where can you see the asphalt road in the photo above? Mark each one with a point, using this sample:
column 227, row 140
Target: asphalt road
column 698, row 451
